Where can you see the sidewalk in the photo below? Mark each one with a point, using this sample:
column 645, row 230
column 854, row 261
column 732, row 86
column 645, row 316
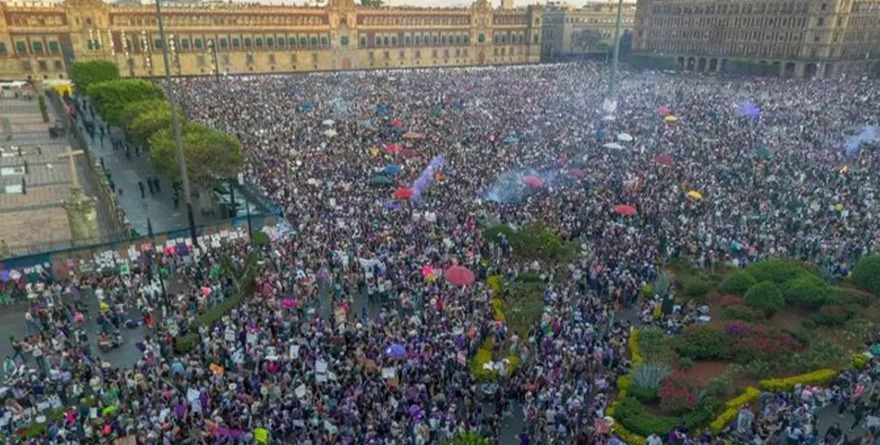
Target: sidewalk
column 158, row 208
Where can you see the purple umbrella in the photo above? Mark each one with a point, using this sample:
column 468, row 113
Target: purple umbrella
column 396, row 351
column 750, row 110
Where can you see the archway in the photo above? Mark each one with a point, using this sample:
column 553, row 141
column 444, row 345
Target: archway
column 713, row 64
column 681, row 63
column 701, row 64
column 810, row 70
column 789, row 69
column 691, row 64
column 829, row 71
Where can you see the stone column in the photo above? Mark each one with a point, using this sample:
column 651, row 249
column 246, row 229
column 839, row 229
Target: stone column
column 82, row 216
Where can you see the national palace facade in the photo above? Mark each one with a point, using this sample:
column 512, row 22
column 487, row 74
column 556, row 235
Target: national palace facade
column 796, row 38
column 40, row 41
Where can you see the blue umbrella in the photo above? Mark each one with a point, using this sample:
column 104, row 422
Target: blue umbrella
column 458, row 107
column 511, row 139
column 600, row 134
column 750, row 110
column 395, row 351
column 305, row 106
column 381, row 110
column 391, row 169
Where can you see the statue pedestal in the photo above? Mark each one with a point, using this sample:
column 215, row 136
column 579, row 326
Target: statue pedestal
column 82, row 216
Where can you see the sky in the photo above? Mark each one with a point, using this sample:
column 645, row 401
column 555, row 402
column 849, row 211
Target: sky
column 426, row 3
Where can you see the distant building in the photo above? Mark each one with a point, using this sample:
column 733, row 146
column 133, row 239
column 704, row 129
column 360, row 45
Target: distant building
column 805, row 38
column 575, row 32
column 39, row 41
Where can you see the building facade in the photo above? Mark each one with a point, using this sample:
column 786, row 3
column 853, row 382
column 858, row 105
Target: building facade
column 39, row 41
column 799, row 38
column 572, row 33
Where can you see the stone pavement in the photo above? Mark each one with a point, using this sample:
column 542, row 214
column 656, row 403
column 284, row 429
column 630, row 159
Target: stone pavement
column 126, row 173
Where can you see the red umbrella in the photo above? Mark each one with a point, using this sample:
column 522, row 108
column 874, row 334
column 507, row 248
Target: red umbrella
column 533, row 181
column 402, row 193
column 409, row 153
column 665, row 159
column 394, row 148
column 397, row 122
column 625, row 210
column 459, row 275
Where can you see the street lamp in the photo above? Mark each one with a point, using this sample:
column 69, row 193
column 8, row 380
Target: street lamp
column 611, row 97
column 175, row 127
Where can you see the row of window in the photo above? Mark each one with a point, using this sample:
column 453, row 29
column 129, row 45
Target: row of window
column 734, row 8
column 136, row 44
column 35, row 47
column 728, row 49
column 727, row 36
column 419, row 39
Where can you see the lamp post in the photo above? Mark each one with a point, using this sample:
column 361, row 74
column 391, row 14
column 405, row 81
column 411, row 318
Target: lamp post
column 611, row 97
column 175, row 127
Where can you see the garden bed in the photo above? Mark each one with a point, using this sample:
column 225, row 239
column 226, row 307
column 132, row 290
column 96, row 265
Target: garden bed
column 773, row 324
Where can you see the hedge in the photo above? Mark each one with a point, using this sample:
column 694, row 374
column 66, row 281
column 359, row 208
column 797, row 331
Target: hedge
column 765, row 297
column 187, row 342
column 778, row 271
column 731, row 408
column 819, row 377
column 860, row 361
column 632, row 343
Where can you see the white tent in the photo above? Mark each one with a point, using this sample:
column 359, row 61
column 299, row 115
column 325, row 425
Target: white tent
column 613, row 146
column 625, row 137
column 330, row 133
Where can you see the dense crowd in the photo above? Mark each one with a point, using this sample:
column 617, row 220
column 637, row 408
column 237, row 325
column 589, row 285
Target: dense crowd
column 775, row 183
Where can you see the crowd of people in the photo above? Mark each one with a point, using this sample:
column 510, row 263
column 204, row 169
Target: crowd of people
column 773, row 183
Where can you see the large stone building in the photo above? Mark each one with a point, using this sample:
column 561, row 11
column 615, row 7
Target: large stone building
column 572, row 32
column 39, row 41
column 797, row 38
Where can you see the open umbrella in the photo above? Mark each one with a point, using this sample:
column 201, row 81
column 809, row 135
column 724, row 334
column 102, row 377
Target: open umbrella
column 665, row 159
column 397, row 122
column 413, row 135
column 695, row 195
column 511, row 140
column 663, row 111
column 613, row 146
column 459, row 275
column 305, row 106
column 408, row 153
column 533, row 181
column 608, row 118
column 393, row 148
column 395, row 351
column 391, row 169
column 403, row 193
column 670, row 118
column 330, row 133
column 764, row 153
column 368, row 124
column 625, row 137
column 381, row 180
column 328, row 123
column 624, row 209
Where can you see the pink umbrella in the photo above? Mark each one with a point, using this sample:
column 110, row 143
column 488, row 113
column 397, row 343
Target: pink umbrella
column 427, row 270
column 624, row 209
column 413, row 135
column 665, row 159
column 288, row 303
column 663, row 111
column 533, row 181
column 459, row 275
column 397, row 122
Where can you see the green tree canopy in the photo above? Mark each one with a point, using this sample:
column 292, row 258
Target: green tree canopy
column 210, row 154
column 135, row 109
column 146, row 124
column 86, row 74
column 866, row 274
column 111, row 97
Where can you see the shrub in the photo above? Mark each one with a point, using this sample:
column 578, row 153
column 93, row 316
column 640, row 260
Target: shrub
column 685, row 363
column 497, row 309
column 860, row 361
column 467, row 438
column 765, row 297
column 736, row 329
column 820, row 377
column 741, row 312
column 536, row 241
column 529, row 277
column 626, row 435
column 655, row 346
column 696, row 287
column 763, row 344
column 831, row 315
column 259, row 238
column 633, row 416
column 495, row 233
column 494, row 282
column 483, row 356
column 738, row 283
column 776, row 271
column 702, row 342
column 644, row 395
column 866, row 274
column 632, row 343
column 807, row 292
column 650, row 375
column 662, row 284
column 678, row 395
column 648, row 291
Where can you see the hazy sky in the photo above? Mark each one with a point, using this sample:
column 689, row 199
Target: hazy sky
column 425, row 3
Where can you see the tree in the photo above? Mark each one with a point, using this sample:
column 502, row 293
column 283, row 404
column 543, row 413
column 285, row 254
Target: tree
column 372, row 3
column 86, row 74
column 210, row 155
column 866, row 274
column 111, row 97
column 146, row 124
column 135, row 109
